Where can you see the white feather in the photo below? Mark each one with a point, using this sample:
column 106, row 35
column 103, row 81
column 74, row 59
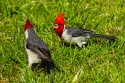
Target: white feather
column 26, row 34
column 33, row 58
column 76, row 40
column 66, row 37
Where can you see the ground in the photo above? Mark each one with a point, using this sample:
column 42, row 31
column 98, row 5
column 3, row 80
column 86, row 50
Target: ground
column 98, row 61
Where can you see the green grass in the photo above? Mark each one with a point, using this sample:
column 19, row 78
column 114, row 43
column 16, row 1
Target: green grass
column 98, row 62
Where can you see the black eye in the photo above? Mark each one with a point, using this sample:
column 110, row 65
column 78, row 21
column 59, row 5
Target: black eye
column 60, row 24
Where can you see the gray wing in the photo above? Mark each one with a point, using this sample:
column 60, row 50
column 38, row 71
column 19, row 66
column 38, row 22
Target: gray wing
column 75, row 32
column 40, row 48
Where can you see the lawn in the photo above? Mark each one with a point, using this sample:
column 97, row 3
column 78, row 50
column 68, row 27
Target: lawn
column 97, row 62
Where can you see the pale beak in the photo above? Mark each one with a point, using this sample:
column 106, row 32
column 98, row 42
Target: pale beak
column 56, row 26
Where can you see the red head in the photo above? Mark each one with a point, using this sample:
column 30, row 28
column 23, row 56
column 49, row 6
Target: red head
column 59, row 24
column 28, row 25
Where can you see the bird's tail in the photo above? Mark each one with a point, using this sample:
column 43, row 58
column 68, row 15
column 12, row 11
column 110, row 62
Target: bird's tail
column 48, row 65
column 112, row 38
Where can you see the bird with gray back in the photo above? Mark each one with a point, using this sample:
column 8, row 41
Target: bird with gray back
column 36, row 49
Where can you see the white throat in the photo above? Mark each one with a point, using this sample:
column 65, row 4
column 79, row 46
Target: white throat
column 26, row 34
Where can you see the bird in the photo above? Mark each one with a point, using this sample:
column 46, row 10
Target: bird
column 75, row 35
column 36, row 49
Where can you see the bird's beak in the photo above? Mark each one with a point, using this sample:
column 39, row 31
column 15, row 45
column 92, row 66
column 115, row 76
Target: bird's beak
column 56, row 26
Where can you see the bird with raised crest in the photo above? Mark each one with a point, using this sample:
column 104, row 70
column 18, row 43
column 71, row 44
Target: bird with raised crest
column 36, row 49
column 75, row 35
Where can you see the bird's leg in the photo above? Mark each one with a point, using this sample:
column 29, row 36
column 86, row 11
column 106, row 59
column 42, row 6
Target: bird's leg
column 84, row 40
column 30, row 65
column 79, row 44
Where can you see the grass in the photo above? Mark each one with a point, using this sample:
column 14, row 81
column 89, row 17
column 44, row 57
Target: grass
column 97, row 62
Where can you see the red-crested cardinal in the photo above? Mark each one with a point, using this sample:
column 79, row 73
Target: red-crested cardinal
column 36, row 49
column 75, row 35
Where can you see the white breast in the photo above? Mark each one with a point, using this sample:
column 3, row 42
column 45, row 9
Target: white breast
column 66, row 37
column 33, row 58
